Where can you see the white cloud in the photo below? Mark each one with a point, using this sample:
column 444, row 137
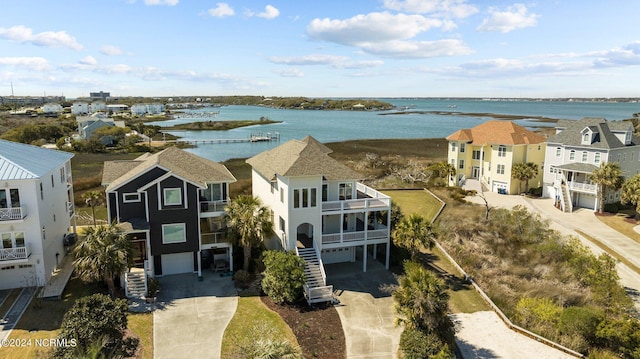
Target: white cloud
column 88, row 60
column 161, row 2
column 290, row 72
column 32, row 63
column 446, row 8
column 269, row 13
column 338, row 62
column 110, row 50
column 512, row 18
column 417, row 49
column 24, row 34
column 221, row 10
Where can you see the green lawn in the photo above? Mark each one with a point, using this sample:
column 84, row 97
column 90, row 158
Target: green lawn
column 252, row 312
column 415, row 201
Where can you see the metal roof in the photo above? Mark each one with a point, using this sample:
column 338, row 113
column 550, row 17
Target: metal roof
column 21, row 161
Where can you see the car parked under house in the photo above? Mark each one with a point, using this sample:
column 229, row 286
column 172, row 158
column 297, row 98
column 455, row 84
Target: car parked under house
column 171, row 205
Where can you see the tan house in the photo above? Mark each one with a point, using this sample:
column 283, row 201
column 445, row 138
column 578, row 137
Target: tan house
column 489, row 151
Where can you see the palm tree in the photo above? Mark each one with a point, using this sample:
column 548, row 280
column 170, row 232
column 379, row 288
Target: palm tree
column 421, row 301
column 249, row 222
column 413, row 233
column 103, row 254
column 92, row 198
column 523, row 172
column 608, row 175
column 631, row 192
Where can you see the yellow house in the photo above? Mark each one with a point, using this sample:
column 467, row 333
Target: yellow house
column 489, row 151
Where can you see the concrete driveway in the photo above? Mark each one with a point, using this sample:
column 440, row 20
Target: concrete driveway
column 366, row 312
column 191, row 315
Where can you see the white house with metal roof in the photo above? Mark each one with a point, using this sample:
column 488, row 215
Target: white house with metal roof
column 580, row 147
column 36, row 213
column 320, row 209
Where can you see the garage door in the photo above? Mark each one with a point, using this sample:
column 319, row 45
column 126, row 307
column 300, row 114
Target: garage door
column 177, row 263
column 498, row 185
column 586, row 201
column 337, row 255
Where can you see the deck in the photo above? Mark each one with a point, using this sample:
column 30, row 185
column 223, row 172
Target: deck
column 58, row 281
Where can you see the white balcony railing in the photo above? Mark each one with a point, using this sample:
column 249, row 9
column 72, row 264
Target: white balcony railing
column 8, row 254
column 214, row 237
column 582, row 187
column 346, row 237
column 12, row 214
column 373, row 199
column 70, row 208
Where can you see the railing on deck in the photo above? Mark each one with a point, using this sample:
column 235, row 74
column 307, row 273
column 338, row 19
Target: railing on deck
column 212, row 206
column 213, row 238
column 8, row 254
column 375, row 199
column 13, row 213
column 354, row 236
column 582, row 187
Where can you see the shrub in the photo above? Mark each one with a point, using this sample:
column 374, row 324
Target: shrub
column 96, row 318
column 242, row 276
column 580, row 320
column 415, row 344
column 539, row 314
column 536, row 192
column 611, row 208
column 283, row 277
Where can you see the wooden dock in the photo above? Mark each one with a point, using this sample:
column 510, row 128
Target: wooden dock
column 258, row 137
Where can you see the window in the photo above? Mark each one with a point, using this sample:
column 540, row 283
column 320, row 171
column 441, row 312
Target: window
column 281, row 195
column 502, row 151
column 631, row 155
column 585, row 138
column 461, row 164
column 305, row 197
column 475, row 154
column 52, row 183
column 296, row 198
column 463, row 147
column 173, row 233
column 274, row 186
column 454, row 147
column 215, row 192
column 313, row 197
column 500, row 169
column 130, row 197
column 539, row 147
column 62, row 176
column 584, row 156
column 572, row 155
column 596, row 158
column 453, row 162
column 624, row 157
column 346, row 191
column 325, row 192
column 282, row 224
column 12, row 200
column 172, row 196
column 41, row 191
column 12, row 240
column 558, row 151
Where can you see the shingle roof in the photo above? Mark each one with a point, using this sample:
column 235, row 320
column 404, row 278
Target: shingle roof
column 497, row 132
column 21, row 161
column 306, row 157
column 183, row 164
column 578, row 167
column 571, row 135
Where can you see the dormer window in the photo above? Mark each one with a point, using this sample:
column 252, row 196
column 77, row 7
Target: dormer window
column 587, row 136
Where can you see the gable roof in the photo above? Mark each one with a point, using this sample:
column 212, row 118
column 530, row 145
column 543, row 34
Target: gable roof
column 21, row 161
column 497, row 132
column 571, row 134
column 181, row 163
column 306, row 157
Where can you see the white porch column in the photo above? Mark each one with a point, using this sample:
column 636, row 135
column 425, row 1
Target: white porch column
column 199, row 263
column 375, row 251
column 364, row 258
column 230, row 258
column 386, row 260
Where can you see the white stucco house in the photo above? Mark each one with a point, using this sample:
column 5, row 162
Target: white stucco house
column 319, row 209
column 80, row 108
column 52, row 108
column 580, row 147
column 97, row 106
column 36, row 213
column 147, row 108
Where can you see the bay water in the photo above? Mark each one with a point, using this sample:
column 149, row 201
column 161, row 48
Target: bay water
column 335, row 126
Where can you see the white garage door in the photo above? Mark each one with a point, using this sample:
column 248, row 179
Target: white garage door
column 177, row 263
column 498, row 185
column 337, row 255
column 586, row 201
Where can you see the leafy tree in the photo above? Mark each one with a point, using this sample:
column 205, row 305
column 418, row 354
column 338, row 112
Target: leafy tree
column 92, row 199
column 283, row 278
column 421, row 302
column 249, row 222
column 415, row 344
column 102, row 254
column 631, row 193
column 443, row 170
column 96, row 321
column 413, row 233
column 523, row 172
column 607, row 176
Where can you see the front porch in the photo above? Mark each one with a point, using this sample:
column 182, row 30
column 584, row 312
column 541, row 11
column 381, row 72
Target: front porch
column 573, row 187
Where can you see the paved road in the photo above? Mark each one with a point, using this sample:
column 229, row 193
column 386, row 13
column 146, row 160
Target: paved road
column 191, row 315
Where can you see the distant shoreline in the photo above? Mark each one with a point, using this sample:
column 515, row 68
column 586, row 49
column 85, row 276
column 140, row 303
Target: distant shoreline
column 497, row 116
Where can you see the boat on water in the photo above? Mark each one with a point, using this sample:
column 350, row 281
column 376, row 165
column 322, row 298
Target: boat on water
column 452, row 106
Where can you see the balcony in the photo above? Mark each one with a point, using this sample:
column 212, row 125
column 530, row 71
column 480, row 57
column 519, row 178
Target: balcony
column 18, row 253
column 211, row 208
column 213, row 238
column 368, row 198
column 582, row 187
column 381, row 233
column 13, row 214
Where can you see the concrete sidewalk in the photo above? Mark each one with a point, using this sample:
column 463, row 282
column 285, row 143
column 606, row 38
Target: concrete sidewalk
column 191, row 315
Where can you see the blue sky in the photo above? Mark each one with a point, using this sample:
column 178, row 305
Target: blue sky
column 348, row 48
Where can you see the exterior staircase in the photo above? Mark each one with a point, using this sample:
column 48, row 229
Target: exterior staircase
column 136, row 284
column 567, row 206
column 316, row 289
